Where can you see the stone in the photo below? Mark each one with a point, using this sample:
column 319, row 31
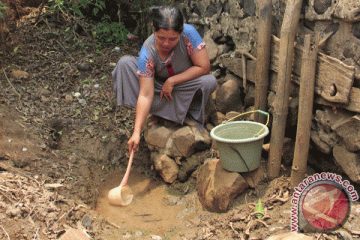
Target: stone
column 216, row 187
column 211, row 46
column 171, row 150
column 356, row 30
column 320, row 6
column 235, row 9
column 157, row 136
column 349, row 162
column 84, row 67
column 166, row 166
column 228, row 97
column 184, row 140
column 348, row 10
column 290, row 236
column 210, row 107
column 213, row 9
column 250, row 7
column 18, row 74
column 349, row 133
column 188, row 167
column 256, row 176
column 233, row 115
column 325, row 11
column 217, row 118
column 320, row 145
column 202, row 137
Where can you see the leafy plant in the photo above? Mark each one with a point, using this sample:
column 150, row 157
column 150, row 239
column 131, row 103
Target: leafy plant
column 66, row 6
column 3, row 10
column 106, row 32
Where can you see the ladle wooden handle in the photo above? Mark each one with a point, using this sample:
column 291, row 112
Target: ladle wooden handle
column 127, row 173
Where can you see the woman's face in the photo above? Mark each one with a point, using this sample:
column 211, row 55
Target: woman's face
column 166, row 40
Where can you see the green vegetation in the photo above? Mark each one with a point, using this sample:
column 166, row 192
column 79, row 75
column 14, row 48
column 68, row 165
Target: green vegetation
column 105, row 32
column 140, row 8
column 3, row 10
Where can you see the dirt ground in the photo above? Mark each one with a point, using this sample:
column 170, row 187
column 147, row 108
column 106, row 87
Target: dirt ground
column 63, row 147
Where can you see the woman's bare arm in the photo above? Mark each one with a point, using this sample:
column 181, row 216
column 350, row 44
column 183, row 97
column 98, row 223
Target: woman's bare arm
column 143, row 106
column 201, row 67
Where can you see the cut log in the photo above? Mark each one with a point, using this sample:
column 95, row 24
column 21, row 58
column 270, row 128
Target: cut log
column 353, row 105
column 349, row 132
column 334, row 79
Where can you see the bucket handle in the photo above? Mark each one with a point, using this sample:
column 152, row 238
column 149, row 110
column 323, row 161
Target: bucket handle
column 254, row 111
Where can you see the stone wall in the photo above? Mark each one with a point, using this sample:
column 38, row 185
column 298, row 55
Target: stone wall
column 229, row 28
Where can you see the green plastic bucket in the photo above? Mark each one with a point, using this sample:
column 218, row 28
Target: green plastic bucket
column 240, row 144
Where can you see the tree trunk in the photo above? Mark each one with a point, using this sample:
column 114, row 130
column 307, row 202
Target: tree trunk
column 307, row 85
column 263, row 58
column 281, row 104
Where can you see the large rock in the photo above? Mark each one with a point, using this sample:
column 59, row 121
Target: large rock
column 217, row 118
column 228, row 97
column 217, row 187
column 166, row 166
column 319, row 144
column 172, row 148
column 211, row 46
column 188, row 166
column 349, row 162
column 184, row 140
column 347, row 10
column 202, row 137
column 157, row 136
column 256, row 176
column 349, row 132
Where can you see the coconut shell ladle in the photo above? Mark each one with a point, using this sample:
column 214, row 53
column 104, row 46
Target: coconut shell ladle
column 122, row 195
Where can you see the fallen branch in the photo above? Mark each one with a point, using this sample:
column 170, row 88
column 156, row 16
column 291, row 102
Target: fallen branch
column 5, row 232
column 65, row 50
column 40, row 11
column 11, row 84
column 112, row 224
column 65, row 214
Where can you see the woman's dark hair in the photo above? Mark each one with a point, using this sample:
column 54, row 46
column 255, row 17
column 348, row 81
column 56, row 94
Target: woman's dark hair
column 168, row 18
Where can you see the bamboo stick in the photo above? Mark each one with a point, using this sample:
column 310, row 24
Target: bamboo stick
column 306, row 95
column 281, row 104
column 263, row 58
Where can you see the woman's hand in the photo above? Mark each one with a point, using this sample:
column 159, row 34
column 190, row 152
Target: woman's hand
column 133, row 143
column 167, row 90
